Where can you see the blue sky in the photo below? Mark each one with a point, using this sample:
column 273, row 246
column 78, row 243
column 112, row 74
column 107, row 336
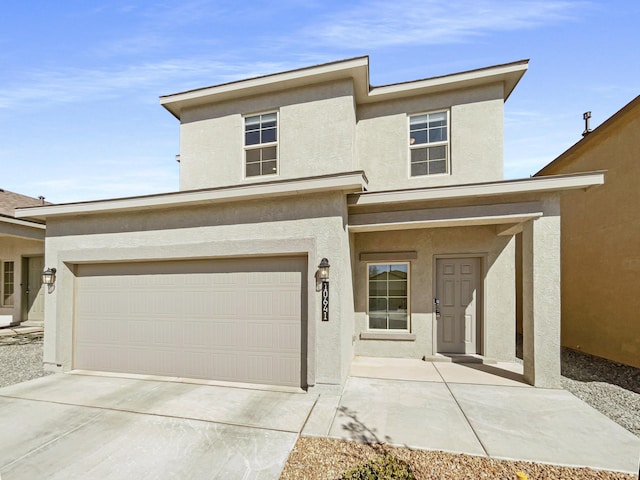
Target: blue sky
column 79, row 112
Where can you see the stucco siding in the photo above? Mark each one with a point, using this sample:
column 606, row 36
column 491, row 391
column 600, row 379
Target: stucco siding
column 476, row 138
column 497, row 278
column 316, row 136
column 600, row 252
column 313, row 225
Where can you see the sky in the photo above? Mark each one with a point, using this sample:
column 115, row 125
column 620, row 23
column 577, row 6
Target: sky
column 80, row 117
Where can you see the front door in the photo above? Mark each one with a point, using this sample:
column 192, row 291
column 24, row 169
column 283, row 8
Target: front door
column 457, row 290
column 34, row 292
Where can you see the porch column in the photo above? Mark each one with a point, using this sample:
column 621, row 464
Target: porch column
column 541, row 298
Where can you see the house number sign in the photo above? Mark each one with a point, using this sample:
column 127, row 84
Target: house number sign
column 325, row 301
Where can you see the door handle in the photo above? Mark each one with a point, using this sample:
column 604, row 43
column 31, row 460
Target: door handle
column 436, row 302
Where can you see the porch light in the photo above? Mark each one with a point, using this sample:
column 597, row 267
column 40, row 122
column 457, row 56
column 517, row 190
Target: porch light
column 323, row 270
column 49, row 278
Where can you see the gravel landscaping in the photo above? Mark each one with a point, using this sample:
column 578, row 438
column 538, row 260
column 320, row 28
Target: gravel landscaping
column 611, row 388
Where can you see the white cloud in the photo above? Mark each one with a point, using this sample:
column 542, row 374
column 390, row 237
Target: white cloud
column 64, row 85
column 429, row 22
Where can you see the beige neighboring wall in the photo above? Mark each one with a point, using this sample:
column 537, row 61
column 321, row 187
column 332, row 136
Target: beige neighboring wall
column 601, row 241
column 316, row 136
column 475, row 147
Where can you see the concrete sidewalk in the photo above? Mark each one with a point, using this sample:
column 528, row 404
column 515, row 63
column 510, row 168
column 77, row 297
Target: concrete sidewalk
column 476, row 409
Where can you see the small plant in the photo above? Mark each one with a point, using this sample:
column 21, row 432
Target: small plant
column 386, row 467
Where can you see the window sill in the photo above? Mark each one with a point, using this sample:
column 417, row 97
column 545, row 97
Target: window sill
column 399, row 336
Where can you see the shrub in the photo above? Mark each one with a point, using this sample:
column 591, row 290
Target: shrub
column 386, row 467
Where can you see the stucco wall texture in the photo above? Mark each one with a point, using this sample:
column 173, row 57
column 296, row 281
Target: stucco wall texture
column 600, row 246
column 312, row 225
column 322, row 131
column 497, row 278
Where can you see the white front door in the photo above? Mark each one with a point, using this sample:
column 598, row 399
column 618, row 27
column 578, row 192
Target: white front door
column 457, row 290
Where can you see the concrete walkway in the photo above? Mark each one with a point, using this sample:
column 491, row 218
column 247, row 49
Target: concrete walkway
column 69, row 426
column 471, row 408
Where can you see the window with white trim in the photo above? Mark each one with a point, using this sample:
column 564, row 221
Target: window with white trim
column 261, row 144
column 429, row 144
column 388, row 292
column 8, row 285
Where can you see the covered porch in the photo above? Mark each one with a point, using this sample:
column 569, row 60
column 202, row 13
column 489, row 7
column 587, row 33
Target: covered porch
column 450, row 257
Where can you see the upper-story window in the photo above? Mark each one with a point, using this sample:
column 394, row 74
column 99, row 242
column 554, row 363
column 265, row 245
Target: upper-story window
column 429, row 143
column 261, row 144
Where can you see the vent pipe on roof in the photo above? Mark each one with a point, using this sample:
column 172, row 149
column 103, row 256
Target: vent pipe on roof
column 587, row 130
column 41, row 198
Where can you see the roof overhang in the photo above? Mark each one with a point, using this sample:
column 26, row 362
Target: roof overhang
column 556, row 183
column 356, row 69
column 16, row 227
column 344, row 182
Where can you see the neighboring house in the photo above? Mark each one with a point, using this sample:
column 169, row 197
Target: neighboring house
column 21, row 261
column 399, row 187
column 601, row 241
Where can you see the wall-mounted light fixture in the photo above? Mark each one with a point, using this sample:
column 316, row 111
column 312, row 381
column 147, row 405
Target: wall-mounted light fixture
column 49, row 279
column 323, row 276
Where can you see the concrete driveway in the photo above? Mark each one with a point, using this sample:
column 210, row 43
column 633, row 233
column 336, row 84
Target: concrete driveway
column 76, row 426
column 80, row 426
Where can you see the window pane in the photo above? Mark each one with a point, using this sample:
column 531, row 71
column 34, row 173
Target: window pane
column 418, row 137
column 438, row 134
column 253, row 156
column 252, row 169
column 269, row 168
column 398, row 321
column 418, row 169
column 252, row 138
column 378, row 272
column 438, row 153
column 252, row 123
column 269, row 120
column 269, row 153
column 377, row 322
column 439, row 166
column 398, row 271
column 8, row 286
column 269, row 135
column 377, row 288
column 437, row 119
column 397, row 305
column 397, row 289
column 377, row 305
column 418, row 121
column 418, row 155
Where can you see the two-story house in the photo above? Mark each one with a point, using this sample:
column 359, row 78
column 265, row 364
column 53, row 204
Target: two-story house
column 400, row 188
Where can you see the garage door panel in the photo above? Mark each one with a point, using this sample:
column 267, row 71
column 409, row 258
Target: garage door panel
column 222, row 320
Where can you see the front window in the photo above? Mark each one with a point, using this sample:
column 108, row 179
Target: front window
column 7, row 284
column 388, row 296
column 261, row 144
column 429, row 144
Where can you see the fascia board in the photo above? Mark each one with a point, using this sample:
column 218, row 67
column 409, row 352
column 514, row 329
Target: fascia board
column 22, row 223
column 357, row 69
column 509, row 75
column 510, row 187
column 349, row 182
column 445, row 223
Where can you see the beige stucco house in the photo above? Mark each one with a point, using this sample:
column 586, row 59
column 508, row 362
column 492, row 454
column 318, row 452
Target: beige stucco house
column 601, row 241
column 21, row 261
column 399, row 187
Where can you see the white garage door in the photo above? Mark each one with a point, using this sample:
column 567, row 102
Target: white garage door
column 238, row 320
